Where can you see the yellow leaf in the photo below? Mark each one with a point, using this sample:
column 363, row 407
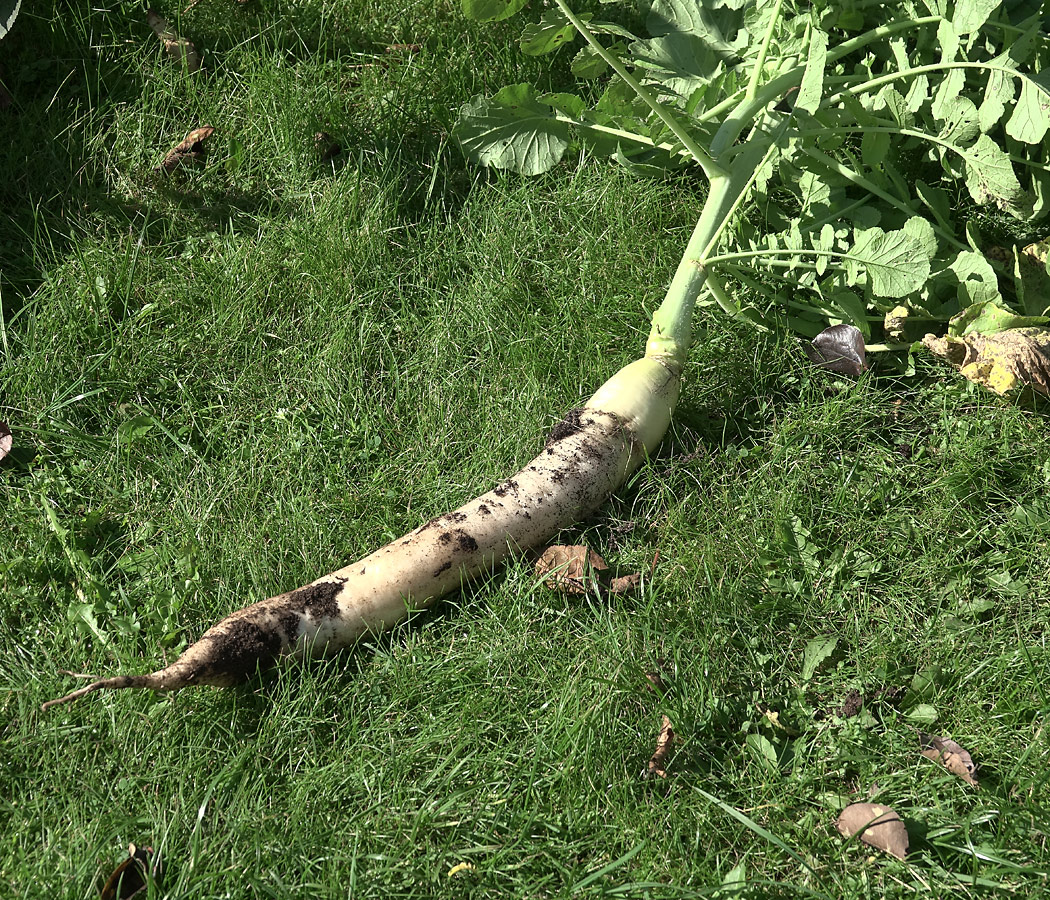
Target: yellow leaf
column 1009, row 363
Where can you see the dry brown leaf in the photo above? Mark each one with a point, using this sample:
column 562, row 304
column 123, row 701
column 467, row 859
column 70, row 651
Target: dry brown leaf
column 664, row 745
column 876, row 825
column 192, row 150
column 130, row 878
column 576, row 569
column 1008, row 362
column 569, row 568
column 624, row 584
column 178, row 48
column 950, row 755
column 7, row 440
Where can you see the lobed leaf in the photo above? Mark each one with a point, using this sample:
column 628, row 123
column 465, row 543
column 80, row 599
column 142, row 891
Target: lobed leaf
column 1030, row 119
column 990, row 176
column 896, row 262
column 990, row 318
column 512, row 130
column 812, row 87
column 552, row 31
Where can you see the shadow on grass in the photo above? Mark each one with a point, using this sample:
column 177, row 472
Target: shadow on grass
column 68, row 85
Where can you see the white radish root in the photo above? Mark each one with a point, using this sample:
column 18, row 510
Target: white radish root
column 588, row 456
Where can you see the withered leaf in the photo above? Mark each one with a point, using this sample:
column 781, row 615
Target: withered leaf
column 839, row 348
column 130, row 878
column 949, row 754
column 192, row 150
column 1008, row 363
column 7, row 440
column 624, row 584
column 664, row 745
column 876, row 825
column 576, row 569
column 178, row 48
column 569, row 568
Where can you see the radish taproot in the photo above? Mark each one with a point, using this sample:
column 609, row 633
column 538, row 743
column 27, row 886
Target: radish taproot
column 588, row 455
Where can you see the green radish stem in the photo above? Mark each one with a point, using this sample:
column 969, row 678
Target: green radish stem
column 588, row 456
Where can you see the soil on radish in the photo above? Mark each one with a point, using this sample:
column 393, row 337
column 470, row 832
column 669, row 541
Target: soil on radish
column 568, row 426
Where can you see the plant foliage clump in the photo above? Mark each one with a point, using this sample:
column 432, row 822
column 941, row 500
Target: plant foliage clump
column 841, row 142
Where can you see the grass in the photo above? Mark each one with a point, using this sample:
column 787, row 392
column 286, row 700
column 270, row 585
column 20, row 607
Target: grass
column 228, row 384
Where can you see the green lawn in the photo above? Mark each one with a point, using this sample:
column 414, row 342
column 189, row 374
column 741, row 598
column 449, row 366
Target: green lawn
column 225, row 384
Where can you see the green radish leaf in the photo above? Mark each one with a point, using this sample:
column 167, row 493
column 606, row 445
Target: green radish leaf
column 689, row 18
column 512, row 130
column 947, row 93
column 569, row 104
column 998, row 95
column 491, row 10
column 990, row 318
column 1030, row 120
column 896, row 262
column 682, row 63
column 890, row 99
column 918, row 93
column 552, row 31
column 959, row 120
column 817, row 651
column 920, row 229
column 852, row 309
column 948, row 40
column 812, row 88
column 588, row 64
column 990, row 176
column 978, row 284
column 874, row 148
column 970, row 15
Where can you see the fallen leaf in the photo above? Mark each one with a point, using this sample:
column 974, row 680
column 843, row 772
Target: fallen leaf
column 839, row 348
column 576, row 569
column 950, row 755
column 190, row 151
column 178, row 48
column 7, row 440
column 1009, row 363
column 876, row 825
column 623, row 584
column 664, row 746
column 130, row 878
column 569, row 568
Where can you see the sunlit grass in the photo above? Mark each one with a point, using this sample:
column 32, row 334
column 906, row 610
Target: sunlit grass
column 229, row 383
